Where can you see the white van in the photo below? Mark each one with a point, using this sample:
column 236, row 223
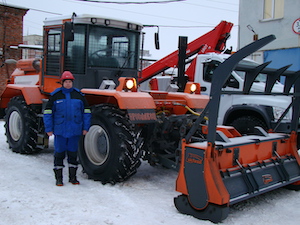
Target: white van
column 243, row 111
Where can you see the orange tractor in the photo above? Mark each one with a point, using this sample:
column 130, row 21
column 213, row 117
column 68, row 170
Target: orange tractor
column 127, row 125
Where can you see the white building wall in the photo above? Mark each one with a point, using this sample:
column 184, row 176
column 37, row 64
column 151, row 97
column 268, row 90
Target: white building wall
column 251, row 13
column 32, row 40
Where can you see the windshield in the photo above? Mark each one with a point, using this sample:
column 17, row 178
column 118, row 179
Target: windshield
column 114, row 48
column 209, row 68
column 260, row 78
column 103, row 47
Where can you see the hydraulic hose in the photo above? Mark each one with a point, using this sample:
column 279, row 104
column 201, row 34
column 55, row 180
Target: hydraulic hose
column 190, row 110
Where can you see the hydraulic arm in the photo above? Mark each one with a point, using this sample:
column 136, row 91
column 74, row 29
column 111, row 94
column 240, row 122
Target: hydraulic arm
column 213, row 41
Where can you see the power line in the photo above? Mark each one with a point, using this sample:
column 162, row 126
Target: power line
column 212, row 7
column 143, row 13
column 124, row 3
column 135, row 12
column 152, row 15
column 38, row 10
column 187, row 26
column 228, row 3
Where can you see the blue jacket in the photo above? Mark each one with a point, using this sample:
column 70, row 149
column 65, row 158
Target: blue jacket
column 67, row 113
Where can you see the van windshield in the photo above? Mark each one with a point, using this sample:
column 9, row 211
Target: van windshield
column 260, row 78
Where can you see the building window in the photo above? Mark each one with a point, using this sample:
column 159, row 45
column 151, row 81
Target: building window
column 273, row 9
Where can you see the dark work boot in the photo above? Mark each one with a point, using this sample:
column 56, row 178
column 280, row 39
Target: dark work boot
column 58, row 176
column 72, row 175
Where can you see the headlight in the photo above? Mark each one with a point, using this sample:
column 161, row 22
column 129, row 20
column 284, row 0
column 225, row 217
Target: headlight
column 278, row 111
column 129, row 84
column 193, row 88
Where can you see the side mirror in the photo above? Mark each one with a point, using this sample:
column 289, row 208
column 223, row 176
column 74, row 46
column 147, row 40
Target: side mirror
column 69, row 31
column 156, row 39
column 233, row 83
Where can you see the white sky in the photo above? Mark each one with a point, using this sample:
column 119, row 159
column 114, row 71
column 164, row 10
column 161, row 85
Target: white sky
column 200, row 16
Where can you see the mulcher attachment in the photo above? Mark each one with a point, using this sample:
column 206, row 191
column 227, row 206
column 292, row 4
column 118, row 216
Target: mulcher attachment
column 212, row 212
column 227, row 167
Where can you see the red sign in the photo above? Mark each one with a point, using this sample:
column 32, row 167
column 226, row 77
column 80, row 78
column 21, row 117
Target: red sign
column 296, row 26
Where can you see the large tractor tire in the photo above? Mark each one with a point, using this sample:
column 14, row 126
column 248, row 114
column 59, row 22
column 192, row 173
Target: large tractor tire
column 21, row 127
column 2, row 113
column 110, row 152
column 246, row 124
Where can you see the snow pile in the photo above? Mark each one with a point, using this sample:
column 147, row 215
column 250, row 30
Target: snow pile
column 28, row 195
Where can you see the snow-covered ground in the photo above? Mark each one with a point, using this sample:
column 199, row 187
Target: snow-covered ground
column 28, row 195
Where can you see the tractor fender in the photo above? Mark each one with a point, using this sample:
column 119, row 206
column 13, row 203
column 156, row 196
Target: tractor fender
column 195, row 101
column 124, row 100
column 31, row 94
column 263, row 112
column 139, row 105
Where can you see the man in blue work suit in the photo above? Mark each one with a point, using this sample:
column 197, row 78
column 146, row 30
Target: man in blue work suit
column 67, row 116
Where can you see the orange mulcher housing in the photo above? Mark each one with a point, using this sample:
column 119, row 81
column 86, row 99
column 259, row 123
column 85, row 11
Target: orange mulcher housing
column 226, row 167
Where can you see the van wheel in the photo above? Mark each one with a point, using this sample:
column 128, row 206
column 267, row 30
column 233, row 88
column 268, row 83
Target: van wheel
column 110, row 152
column 21, row 126
column 246, row 124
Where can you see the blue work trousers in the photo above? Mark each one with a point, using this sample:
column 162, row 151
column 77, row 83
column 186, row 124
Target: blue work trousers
column 65, row 146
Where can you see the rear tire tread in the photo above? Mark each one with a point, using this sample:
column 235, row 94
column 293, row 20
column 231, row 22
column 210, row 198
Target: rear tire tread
column 126, row 159
column 27, row 144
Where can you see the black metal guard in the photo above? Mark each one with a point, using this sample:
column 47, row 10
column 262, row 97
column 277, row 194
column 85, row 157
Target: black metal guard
column 221, row 75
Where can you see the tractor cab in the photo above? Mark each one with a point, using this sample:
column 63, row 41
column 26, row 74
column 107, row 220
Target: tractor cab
column 93, row 48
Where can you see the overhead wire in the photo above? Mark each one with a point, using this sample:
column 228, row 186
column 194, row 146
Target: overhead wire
column 151, row 15
column 160, row 16
column 158, row 2
column 188, row 26
column 222, row 2
column 212, row 7
column 33, row 9
column 43, row 11
column 141, row 13
column 141, row 2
